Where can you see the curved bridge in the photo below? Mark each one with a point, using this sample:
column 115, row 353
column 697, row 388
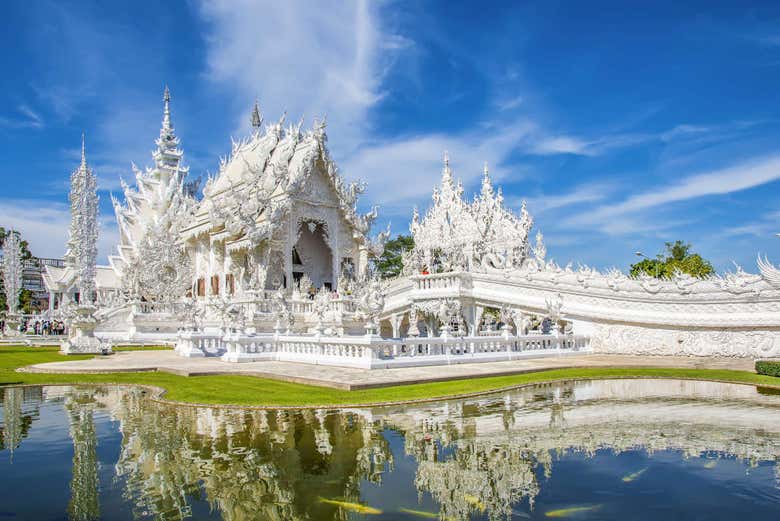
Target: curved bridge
column 733, row 315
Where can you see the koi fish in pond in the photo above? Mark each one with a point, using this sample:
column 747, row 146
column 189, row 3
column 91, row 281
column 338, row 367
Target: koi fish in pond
column 571, row 511
column 352, row 507
column 633, row 476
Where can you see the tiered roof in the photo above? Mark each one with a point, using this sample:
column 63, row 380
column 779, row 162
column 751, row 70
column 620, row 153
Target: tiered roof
column 160, row 199
column 254, row 187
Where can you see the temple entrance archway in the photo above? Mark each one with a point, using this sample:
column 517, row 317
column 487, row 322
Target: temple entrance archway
column 312, row 254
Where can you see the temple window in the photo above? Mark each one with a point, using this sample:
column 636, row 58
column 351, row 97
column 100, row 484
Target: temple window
column 230, row 283
column 215, row 284
column 201, row 290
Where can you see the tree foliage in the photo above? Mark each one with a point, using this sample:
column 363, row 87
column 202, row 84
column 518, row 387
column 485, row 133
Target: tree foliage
column 390, row 263
column 677, row 257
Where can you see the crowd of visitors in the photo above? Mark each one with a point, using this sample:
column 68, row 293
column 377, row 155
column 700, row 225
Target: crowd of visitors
column 38, row 326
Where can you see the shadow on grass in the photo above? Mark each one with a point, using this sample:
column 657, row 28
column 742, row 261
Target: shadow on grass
column 768, row 391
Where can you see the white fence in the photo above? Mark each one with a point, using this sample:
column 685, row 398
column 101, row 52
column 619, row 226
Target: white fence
column 371, row 352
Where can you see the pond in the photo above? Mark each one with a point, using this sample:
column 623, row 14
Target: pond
column 611, row 449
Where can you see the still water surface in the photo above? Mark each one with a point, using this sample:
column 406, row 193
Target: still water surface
column 614, row 449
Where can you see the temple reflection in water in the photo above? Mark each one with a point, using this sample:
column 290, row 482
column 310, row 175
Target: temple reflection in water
column 477, row 456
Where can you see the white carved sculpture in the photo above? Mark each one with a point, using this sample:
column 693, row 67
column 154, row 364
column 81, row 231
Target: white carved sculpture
column 370, row 303
column 191, row 313
column 554, row 304
column 320, row 306
column 285, row 319
column 447, row 312
column 768, row 270
column 12, row 279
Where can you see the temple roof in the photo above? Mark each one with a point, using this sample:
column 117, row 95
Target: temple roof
column 160, row 198
column 274, row 165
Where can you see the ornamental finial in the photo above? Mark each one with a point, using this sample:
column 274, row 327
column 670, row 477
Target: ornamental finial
column 166, row 108
column 256, row 119
column 447, row 171
column 83, row 150
column 485, row 172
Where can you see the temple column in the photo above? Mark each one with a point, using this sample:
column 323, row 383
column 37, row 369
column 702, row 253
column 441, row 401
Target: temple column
column 395, row 322
column 362, row 260
column 335, row 233
column 473, row 316
column 287, row 252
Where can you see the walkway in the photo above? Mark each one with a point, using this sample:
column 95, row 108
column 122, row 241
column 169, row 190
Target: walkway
column 352, row 379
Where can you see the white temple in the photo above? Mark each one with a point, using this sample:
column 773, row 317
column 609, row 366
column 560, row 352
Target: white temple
column 274, row 262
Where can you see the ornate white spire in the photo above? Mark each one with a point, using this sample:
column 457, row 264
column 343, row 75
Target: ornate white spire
column 166, row 123
column 83, row 150
column 256, row 119
column 446, row 172
column 487, row 185
column 12, row 270
column 151, row 215
column 168, row 157
column 82, row 243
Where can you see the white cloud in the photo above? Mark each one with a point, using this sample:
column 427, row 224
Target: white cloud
column 563, row 145
column 587, row 193
column 308, row 58
column 24, row 117
column 403, row 172
column 45, row 226
column 767, row 226
column 723, row 181
column 510, row 103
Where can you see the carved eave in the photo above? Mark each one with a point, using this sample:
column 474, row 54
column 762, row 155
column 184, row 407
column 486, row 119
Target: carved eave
column 239, row 245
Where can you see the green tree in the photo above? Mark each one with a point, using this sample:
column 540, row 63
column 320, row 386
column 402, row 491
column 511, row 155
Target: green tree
column 676, row 257
column 390, row 263
column 26, row 255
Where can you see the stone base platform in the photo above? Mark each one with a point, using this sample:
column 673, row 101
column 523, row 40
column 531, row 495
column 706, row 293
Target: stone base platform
column 352, row 378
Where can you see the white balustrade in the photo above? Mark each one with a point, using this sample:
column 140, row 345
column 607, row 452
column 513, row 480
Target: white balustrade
column 373, row 352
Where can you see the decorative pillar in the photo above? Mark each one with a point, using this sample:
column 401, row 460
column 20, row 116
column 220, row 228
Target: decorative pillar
column 476, row 319
column 334, row 233
column 395, row 322
column 287, row 253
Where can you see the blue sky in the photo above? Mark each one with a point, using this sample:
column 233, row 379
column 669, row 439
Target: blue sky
column 623, row 126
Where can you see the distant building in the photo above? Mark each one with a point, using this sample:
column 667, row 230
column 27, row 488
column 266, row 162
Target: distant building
column 32, row 279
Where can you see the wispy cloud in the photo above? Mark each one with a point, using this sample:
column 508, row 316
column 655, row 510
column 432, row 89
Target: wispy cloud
column 404, row 171
column 46, row 228
column 550, row 143
column 509, row 103
column 765, row 227
column 583, row 194
column 735, row 178
column 23, row 117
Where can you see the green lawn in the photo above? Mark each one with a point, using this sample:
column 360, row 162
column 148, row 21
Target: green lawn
column 249, row 390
